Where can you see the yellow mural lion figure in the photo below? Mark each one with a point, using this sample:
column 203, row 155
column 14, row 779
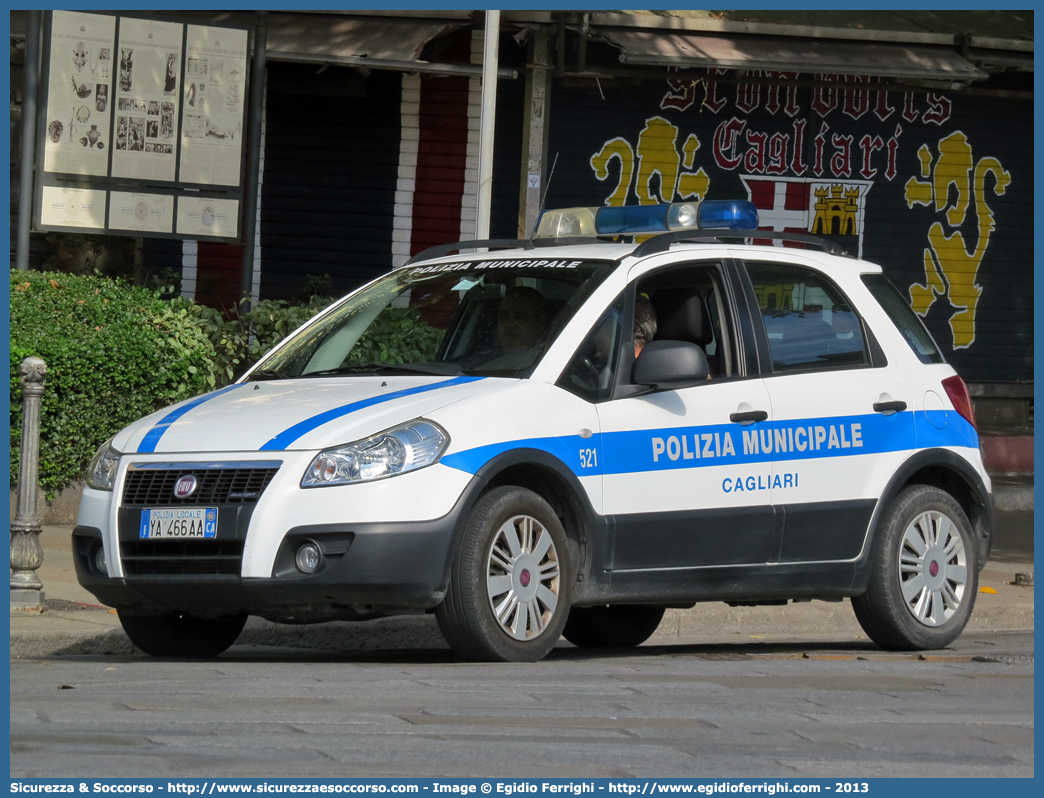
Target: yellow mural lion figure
column 950, row 268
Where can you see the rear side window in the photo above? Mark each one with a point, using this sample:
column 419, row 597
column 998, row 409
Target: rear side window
column 903, row 316
column 810, row 324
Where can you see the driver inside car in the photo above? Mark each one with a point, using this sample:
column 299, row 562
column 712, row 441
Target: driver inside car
column 644, row 323
column 521, row 322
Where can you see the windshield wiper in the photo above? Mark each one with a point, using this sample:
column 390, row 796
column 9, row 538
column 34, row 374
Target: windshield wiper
column 266, row 374
column 442, row 370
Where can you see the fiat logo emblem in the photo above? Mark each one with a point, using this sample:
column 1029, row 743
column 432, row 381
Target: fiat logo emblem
column 185, row 486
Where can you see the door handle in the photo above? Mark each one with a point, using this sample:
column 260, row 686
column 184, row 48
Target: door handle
column 886, row 407
column 750, row 415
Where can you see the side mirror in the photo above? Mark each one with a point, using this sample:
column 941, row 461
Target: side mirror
column 669, row 365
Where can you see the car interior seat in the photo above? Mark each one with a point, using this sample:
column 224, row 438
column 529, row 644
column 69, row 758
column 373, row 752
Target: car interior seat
column 681, row 315
column 806, row 338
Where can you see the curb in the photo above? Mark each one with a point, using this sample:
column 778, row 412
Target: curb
column 1013, row 498
column 819, row 618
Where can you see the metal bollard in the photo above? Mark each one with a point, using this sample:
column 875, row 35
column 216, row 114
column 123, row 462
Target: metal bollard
column 27, row 594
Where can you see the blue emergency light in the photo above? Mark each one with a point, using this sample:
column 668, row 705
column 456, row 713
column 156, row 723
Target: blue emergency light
column 642, row 219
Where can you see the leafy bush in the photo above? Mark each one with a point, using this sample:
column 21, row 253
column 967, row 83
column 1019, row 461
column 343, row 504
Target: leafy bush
column 397, row 335
column 241, row 340
column 114, row 353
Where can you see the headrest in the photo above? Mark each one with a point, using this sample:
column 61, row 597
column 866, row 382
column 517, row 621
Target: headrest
column 681, row 315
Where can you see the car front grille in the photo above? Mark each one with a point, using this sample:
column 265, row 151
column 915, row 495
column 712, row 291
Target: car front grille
column 181, row 557
column 154, row 487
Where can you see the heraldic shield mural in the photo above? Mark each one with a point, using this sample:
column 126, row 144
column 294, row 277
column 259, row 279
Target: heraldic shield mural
column 933, row 186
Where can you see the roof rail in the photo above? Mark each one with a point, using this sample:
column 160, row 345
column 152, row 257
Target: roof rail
column 662, row 242
column 446, row 249
column 500, row 243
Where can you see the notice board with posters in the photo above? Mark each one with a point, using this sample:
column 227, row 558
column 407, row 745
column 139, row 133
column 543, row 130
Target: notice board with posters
column 142, row 128
column 934, row 186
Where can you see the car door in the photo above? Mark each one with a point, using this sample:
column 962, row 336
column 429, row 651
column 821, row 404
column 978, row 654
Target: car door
column 840, row 411
column 678, row 489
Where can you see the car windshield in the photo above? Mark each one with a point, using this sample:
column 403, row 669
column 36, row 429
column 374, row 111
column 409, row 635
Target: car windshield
column 490, row 318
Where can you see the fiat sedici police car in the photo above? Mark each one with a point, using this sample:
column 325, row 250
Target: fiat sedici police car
column 562, row 437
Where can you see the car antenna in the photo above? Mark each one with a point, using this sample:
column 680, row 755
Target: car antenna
column 543, row 199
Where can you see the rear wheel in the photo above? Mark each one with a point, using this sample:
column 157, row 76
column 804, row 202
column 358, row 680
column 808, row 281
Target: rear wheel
column 177, row 635
column 924, row 578
column 618, row 626
column 510, row 584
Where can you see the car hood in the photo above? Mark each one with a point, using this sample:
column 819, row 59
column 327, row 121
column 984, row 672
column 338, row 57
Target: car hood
column 301, row 414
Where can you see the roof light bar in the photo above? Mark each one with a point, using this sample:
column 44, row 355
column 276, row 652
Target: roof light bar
column 641, row 219
column 631, row 219
column 730, row 214
column 567, row 223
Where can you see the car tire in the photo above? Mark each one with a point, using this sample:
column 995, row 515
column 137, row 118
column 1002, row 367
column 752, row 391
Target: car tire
column 177, row 635
column 510, row 582
column 924, row 577
column 615, row 626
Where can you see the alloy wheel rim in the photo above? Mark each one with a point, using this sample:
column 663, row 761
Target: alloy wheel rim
column 523, row 577
column 933, row 568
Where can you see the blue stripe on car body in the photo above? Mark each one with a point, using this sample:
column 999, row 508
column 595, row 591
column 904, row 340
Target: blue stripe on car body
column 152, row 437
column 633, row 451
column 291, row 434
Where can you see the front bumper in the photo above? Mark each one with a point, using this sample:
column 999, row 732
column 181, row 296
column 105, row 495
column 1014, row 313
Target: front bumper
column 367, row 570
column 384, row 561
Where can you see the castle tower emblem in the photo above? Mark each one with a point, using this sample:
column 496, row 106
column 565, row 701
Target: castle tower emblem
column 836, row 211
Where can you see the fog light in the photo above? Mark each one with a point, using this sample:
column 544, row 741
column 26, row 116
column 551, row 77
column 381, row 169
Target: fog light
column 307, row 558
column 99, row 561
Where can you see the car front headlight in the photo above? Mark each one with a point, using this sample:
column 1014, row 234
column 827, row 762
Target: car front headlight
column 395, row 451
column 101, row 473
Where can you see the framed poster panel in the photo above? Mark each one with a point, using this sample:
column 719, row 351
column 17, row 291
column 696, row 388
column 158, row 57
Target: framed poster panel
column 215, row 96
column 79, row 91
column 148, row 71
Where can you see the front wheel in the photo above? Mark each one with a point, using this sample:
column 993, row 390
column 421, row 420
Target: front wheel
column 178, row 635
column 617, row 626
column 510, row 583
column 924, row 578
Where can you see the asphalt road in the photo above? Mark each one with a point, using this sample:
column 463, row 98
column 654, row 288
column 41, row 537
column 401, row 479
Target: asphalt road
column 784, row 709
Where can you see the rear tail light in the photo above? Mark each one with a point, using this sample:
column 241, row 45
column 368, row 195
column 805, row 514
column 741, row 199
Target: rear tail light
column 960, row 398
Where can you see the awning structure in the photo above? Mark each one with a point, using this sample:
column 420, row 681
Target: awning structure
column 374, row 38
column 393, row 43
column 790, row 55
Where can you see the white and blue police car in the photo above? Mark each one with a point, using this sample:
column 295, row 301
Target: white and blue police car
column 562, row 436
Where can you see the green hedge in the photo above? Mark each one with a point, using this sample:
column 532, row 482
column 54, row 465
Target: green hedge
column 114, row 353
column 241, row 340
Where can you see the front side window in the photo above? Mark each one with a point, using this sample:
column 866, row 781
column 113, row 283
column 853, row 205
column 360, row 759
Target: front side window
column 686, row 305
column 590, row 374
column 809, row 323
column 491, row 318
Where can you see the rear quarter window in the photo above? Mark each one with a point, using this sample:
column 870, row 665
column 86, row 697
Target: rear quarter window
column 903, row 317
